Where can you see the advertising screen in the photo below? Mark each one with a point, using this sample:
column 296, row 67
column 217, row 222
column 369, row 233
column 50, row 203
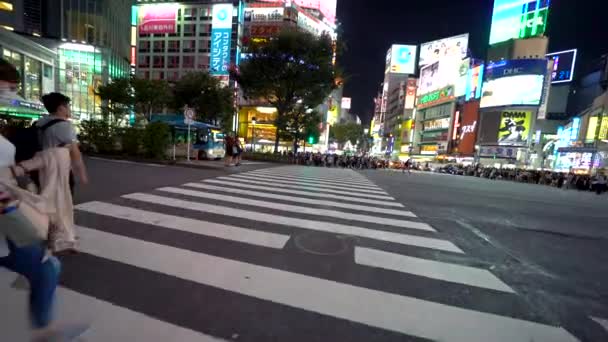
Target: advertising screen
column 563, row 65
column 514, row 90
column 326, row 7
column 346, row 102
column 402, row 59
column 157, row 19
column 221, row 31
column 516, row 67
column 468, row 127
column 474, row 82
column 264, row 14
column 513, row 19
column 442, row 74
column 455, row 47
column 514, row 127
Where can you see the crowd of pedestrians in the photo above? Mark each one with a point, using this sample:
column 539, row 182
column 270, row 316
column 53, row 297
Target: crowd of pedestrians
column 36, row 205
column 334, row 160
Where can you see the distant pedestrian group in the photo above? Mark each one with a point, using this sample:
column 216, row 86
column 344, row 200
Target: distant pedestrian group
column 234, row 150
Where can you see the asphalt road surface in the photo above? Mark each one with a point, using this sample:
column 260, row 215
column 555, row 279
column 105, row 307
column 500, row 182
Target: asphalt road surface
column 289, row 253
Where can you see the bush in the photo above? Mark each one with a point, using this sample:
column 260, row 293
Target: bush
column 132, row 140
column 156, row 140
column 98, row 136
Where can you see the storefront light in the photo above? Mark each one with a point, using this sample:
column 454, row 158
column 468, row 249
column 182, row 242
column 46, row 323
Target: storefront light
column 77, row 47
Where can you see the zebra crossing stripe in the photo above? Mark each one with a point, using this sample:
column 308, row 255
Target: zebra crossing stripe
column 304, row 193
column 277, row 179
column 374, row 308
column 430, row 268
column 306, row 178
column 343, row 205
column 222, row 231
column 301, row 209
column 109, row 322
column 281, row 184
column 601, row 321
column 329, row 227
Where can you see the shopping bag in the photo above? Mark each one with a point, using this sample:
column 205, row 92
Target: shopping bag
column 25, row 225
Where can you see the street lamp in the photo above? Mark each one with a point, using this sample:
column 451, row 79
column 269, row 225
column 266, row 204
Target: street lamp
column 253, row 121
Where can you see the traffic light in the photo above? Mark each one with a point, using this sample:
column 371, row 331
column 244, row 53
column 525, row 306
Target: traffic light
column 311, row 139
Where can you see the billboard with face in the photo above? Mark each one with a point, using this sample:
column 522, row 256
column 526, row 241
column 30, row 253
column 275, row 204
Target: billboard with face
column 452, row 47
column 514, row 127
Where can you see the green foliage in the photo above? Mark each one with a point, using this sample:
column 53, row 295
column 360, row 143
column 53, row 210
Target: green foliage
column 150, row 95
column 132, row 140
column 118, row 98
column 346, row 132
column 295, row 67
column 212, row 102
column 156, row 140
column 98, row 136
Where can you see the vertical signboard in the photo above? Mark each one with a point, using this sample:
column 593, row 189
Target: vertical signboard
column 221, row 33
column 544, row 101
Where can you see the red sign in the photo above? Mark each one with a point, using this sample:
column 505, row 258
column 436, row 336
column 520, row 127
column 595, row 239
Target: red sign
column 160, row 18
column 133, row 60
column 264, row 30
column 468, row 128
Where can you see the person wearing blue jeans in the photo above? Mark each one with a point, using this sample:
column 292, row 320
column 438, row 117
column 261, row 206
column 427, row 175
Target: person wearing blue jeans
column 42, row 274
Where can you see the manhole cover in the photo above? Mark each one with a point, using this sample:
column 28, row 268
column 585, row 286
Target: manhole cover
column 321, row 244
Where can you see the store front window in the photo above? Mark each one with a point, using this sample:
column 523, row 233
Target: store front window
column 32, row 77
column 16, row 59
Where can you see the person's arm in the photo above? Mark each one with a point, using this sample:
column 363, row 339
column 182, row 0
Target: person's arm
column 78, row 164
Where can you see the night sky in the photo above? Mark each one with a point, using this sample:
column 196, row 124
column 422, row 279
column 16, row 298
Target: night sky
column 369, row 27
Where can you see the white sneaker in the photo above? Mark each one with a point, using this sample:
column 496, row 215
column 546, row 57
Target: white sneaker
column 62, row 333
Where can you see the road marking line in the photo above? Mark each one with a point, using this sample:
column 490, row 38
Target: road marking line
column 303, row 210
column 109, row 322
column 277, row 179
column 601, row 321
column 311, row 177
column 222, row 231
column 321, row 226
column 304, row 193
column 272, row 185
column 430, row 268
column 320, row 180
column 394, row 212
column 374, row 308
column 126, row 162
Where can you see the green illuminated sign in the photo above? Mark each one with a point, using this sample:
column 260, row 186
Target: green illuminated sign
column 436, row 97
column 517, row 19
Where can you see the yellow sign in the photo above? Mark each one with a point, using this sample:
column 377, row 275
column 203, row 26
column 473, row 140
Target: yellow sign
column 591, row 129
column 603, row 129
column 332, row 115
column 514, row 127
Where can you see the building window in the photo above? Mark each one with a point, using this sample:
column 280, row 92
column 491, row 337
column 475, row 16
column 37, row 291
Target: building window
column 189, row 30
column 190, row 14
column 143, row 61
column 203, row 62
column 174, row 46
column 158, row 75
column 203, row 46
column 144, row 46
column 159, row 46
column 173, row 62
column 33, row 79
column 188, row 62
column 178, row 31
column 189, row 46
column 205, row 13
column 173, row 76
column 159, row 61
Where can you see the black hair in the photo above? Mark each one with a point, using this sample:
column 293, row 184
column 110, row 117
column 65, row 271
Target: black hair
column 8, row 72
column 52, row 101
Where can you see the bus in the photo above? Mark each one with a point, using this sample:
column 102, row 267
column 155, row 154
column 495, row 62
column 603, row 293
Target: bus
column 207, row 141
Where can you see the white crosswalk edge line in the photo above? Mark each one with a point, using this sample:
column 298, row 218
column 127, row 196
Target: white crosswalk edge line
column 430, row 268
column 245, row 185
column 311, row 177
column 306, row 187
column 601, row 321
column 368, row 208
column 273, row 179
column 315, row 180
column 222, row 231
column 303, row 210
column 322, row 226
column 110, row 323
column 371, row 307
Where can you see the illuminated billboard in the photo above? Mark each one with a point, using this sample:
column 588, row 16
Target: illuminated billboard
column 157, row 19
column 221, row 32
column 474, row 83
column 401, row 59
column 264, row 14
column 514, row 82
column 515, row 19
column 327, row 8
column 514, row 128
column 443, row 73
column 563, row 65
column 452, row 47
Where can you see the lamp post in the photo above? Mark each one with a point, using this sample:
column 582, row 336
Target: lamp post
column 253, row 122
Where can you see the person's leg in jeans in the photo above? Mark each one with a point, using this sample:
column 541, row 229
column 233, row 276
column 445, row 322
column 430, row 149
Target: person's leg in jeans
column 42, row 276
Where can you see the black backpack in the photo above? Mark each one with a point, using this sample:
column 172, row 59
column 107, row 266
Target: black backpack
column 27, row 140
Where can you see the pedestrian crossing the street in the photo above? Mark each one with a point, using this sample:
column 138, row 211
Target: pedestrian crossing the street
column 278, row 254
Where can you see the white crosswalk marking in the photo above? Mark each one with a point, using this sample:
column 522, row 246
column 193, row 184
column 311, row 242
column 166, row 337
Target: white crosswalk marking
column 430, row 268
column 289, row 185
column 174, row 242
column 303, row 210
column 304, row 193
column 301, row 223
column 601, row 321
column 281, row 180
column 370, row 307
column 343, row 205
column 221, row 231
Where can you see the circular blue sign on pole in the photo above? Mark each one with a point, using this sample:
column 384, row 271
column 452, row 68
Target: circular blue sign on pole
column 222, row 15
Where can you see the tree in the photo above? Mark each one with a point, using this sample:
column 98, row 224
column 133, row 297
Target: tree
column 293, row 68
column 118, row 98
column 212, row 102
column 150, row 96
column 350, row 131
column 302, row 122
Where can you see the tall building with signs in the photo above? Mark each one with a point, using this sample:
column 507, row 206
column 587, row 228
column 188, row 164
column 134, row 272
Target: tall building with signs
column 171, row 39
